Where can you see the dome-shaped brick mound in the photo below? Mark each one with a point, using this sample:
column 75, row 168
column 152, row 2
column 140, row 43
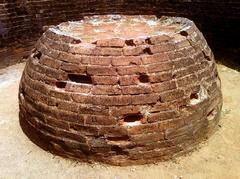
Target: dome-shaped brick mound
column 120, row 89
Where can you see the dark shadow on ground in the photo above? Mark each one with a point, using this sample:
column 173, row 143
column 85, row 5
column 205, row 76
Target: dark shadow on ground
column 229, row 57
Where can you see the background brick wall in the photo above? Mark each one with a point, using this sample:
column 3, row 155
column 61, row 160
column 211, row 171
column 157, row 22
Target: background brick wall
column 21, row 21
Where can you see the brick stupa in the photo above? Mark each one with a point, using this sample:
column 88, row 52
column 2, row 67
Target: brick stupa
column 120, row 89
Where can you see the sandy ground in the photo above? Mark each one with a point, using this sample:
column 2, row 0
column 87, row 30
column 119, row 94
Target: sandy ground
column 218, row 158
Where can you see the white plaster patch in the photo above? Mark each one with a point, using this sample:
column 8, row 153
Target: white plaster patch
column 202, row 95
column 131, row 124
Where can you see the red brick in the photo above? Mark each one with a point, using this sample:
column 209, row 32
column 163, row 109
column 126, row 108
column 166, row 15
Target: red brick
column 183, row 62
column 113, row 131
column 69, row 106
column 171, row 124
column 79, row 88
column 93, row 109
column 157, row 39
column 137, row 89
column 155, row 58
column 147, row 138
column 128, row 51
column 158, row 107
column 187, row 71
column 172, row 95
column 101, row 70
column 35, row 95
column 108, row 51
column 73, row 68
column 105, row 80
column 57, row 123
column 40, row 77
column 82, row 98
column 173, row 133
column 129, row 80
column 163, row 115
column 60, row 94
column 36, row 85
column 164, row 86
column 164, row 47
column 96, row 60
column 51, row 53
column 182, row 43
column 143, row 129
column 74, row 136
column 50, row 72
column 87, row 130
column 159, row 67
column 113, row 42
column 131, row 70
column 106, row 89
column 112, row 100
column 160, row 77
column 99, row 120
column 123, row 61
column 187, row 80
column 145, row 98
column 50, row 62
column 123, row 110
column 56, row 45
column 82, row 49
column 70, row 58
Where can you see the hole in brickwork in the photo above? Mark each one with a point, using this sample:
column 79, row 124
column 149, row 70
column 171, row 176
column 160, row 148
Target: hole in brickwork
column 160, row 99
column 183, row 106
column 147, row 51
column 75, row 41
column 133, row 117
column 80, row 78
column 144, row 78
column 22, row 91
column 129, row 43
column 211, row 115
column 152, row 112
column 61, row 84
column 184, row 33
column 22, row 94
column 194, row 96
column 73, row 127
column 118, row 150
column 148, row 41
column 118, row 138
column 37, row 54
column 133, row 63
column 207, row 57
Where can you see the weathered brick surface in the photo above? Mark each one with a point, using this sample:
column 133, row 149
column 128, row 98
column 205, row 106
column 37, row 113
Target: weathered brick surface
column 121, row 101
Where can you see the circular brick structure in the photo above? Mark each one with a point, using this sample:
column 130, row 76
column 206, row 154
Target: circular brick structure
column 121, row 90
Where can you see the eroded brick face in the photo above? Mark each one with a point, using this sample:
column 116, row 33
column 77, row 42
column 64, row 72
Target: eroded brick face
column 94, row 91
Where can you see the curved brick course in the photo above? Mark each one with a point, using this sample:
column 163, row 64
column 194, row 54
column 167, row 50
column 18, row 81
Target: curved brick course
column 123, row 99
